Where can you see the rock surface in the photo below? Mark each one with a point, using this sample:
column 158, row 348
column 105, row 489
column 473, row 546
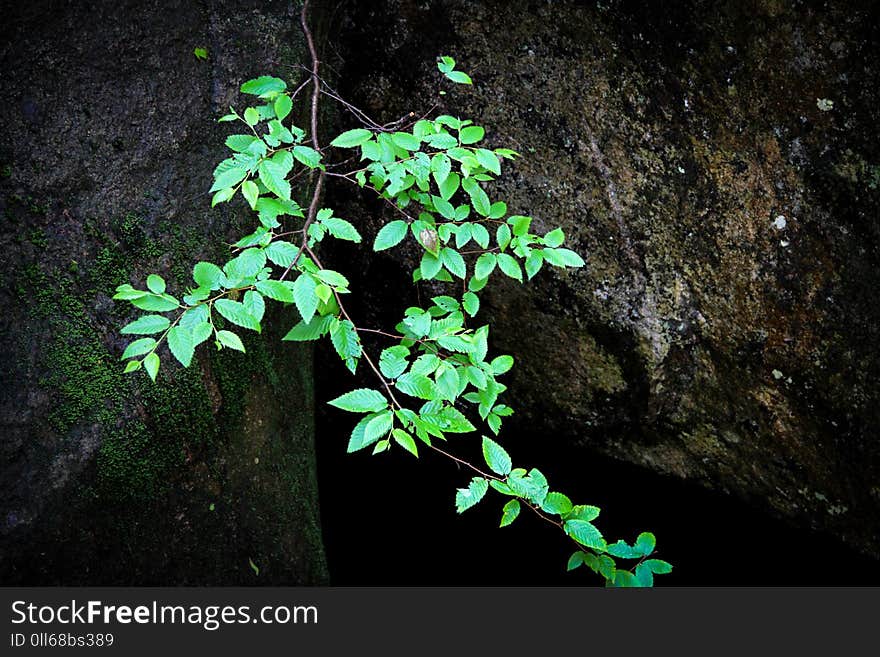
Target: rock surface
column 108, row 145
column 717, row 164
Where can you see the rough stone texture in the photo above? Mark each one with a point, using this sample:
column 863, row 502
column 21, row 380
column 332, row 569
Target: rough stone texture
column 108, row 144
column 724, row 329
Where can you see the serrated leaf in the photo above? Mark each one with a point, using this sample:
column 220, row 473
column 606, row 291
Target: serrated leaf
column 272, row 176
column 307, row 156
column 277, row 290
column 576, row 560
column 554, row 238
column 263, row 85
column 156, row 284
column 501, row 364
column 151, row 365
column 417, row 385
column 393, row 361
column 583, row 512
column 485, row 265
column 311, row 331
column 510, row 266
column 390, row 235
column 146, row 325
column 341, row 229
column 645, row 543
column 496, row 457
column 362, row 400
column 562, row 258
column 488, row 160
column 557, row 503
column 471, row 303
column 180, row 343
column 231, row 340
column 471, row 135
column 509, row 513
column 305, row 297
column 406, row 141
column 406, row 441
column 453, row 261
column 465, row 498
column 586, row 534
column 282, row 253
column 155, row 303
column 658, row 566
column 138, row 348
column 236, row 313
column 283, row 105
column 209, row 275
column 251, row 192
column 352, row 138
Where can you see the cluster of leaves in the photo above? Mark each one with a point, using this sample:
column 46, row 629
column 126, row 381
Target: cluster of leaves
column 437, row 378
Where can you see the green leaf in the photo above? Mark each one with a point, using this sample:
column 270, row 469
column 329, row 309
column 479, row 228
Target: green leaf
column 471, row 135
column 496, row 457
column 345, row 339
column 533, row 263
column 200, row 53
column 502, row 236
column 264, row 84
column 230, row 339
column 485, row 265
column 556, row 503
column 155, row 303
column 341, row 229
column 146, row 325
column 624, row 579
column 575, row 561
column 236, row 313
column 209, row 275
column 459, row 77
column 180, row 342
column 151, row 365
column 471, row 303
column 645, row 543
column 283, row 105
column 251, row 116
column 156, row 284
column 390, row 235
column 378, row 427
column 311, row 331
column 403, row 439
column 583, row 512
column 430, row 265
column 362, row 400
column 272, row 175
column 138, row 348
column 501, row 364
column 488, row 160
column 509, row 513
column 510, row 266
column 453, row 261
column 132, row 366
column 308, row 156
column 282, row 253
column 222, row 196
column 562, row 258
column 228, row 173
column 417, row 385
column 406, row 141
column 352, row 138
column 586, row 534
column 465, row 498
column 658, row 566
column 277, row 290
column 332, row 278
column 480, row 235
column 251, row 192
column 305, row 297
column 622, row 550
column 554, row 238
column 445, row 64
column 393, row 361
